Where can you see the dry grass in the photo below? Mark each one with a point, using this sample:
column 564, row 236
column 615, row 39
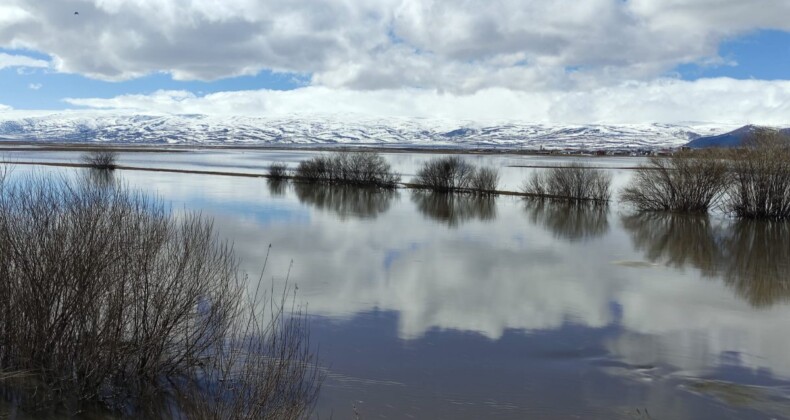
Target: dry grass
column 108, row 298
column 688, row 182
column 570, row 182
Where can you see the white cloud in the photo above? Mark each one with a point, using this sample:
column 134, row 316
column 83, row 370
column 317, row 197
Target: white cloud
column 665, row 100
column 458, row 46
column 35, row 86
column 9, row 60
column 5, row 108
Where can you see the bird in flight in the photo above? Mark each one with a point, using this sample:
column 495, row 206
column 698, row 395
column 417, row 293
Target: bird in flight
column 76, row 13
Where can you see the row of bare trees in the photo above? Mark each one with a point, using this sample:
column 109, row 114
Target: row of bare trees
column 109, row 299
column 749, row 182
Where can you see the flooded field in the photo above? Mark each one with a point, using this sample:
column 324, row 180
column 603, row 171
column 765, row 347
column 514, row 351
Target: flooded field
column 451, row 306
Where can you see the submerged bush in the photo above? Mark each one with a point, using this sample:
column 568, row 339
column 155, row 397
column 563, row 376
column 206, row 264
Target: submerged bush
column 445, row 174
column 571, row 182
column 358, row 168
column 761, row 178
column 278, row 170
column 690, row 181
column 485, row 180
column 101, row 159
column 106, row 297
column 453, row 173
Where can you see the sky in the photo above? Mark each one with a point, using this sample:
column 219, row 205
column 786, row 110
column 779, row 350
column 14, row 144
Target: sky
column 553, row 61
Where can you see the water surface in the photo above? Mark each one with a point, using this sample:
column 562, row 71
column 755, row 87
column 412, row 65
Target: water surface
column 435, row 306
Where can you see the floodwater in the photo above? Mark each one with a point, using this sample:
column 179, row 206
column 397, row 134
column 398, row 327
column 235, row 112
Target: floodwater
column 449, row 307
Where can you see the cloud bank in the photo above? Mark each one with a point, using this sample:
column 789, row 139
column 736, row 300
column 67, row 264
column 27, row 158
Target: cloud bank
column 664, row 101
column 461, row 46
column 542, row 60
column 12, row 60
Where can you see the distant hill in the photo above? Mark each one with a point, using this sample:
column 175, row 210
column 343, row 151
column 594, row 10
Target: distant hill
column 76, row 126
column 734, row 138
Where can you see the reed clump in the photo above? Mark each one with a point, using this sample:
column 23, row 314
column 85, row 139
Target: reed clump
column 570, row 182
column 351, row 168
column 454, row 174
column 108, row 299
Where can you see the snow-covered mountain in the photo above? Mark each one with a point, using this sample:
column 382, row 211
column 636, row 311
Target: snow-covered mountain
column 216, row 130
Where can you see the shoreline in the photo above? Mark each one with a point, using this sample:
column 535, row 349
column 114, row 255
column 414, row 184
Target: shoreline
column 30, row 146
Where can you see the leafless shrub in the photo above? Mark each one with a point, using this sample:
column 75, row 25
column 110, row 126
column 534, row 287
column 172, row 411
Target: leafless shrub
column 107, row 295
column 278, row 170
column 570, row 182
column 103, row 159
column 689, row 181
column 354, row 168
column 446, row 174
column 454, row 209
column 485, row 180
column 761, row 177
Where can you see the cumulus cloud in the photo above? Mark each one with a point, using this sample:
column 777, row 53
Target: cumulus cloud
column 12, row 60
column 460, row 46
column 720, row 100
column 35, row 86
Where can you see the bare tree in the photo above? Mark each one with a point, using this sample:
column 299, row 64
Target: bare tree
column 353, row 168
column 571, row 182
column 761, row 177
column 105, row 159
column 278, row 170
column 688, row 181
column 446, row 174
column 485, row 180
column 107, row 296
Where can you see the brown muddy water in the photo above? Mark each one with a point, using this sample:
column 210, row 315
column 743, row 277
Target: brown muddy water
column 449, row 307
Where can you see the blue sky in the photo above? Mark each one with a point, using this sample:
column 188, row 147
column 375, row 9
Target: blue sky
column 541, row 60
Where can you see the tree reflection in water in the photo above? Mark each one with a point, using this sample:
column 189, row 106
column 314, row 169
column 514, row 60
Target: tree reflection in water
column 752, row 257
column 347, row 201
column 676, row 240
column 570, row 220
column 452, row 208
column 757, row 261
column 277, row 187
column 100, row 177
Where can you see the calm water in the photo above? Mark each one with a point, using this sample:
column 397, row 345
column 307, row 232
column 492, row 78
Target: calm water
column 429, row 306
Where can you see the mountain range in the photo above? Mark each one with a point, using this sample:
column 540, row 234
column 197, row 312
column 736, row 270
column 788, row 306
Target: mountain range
column 240, row 130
